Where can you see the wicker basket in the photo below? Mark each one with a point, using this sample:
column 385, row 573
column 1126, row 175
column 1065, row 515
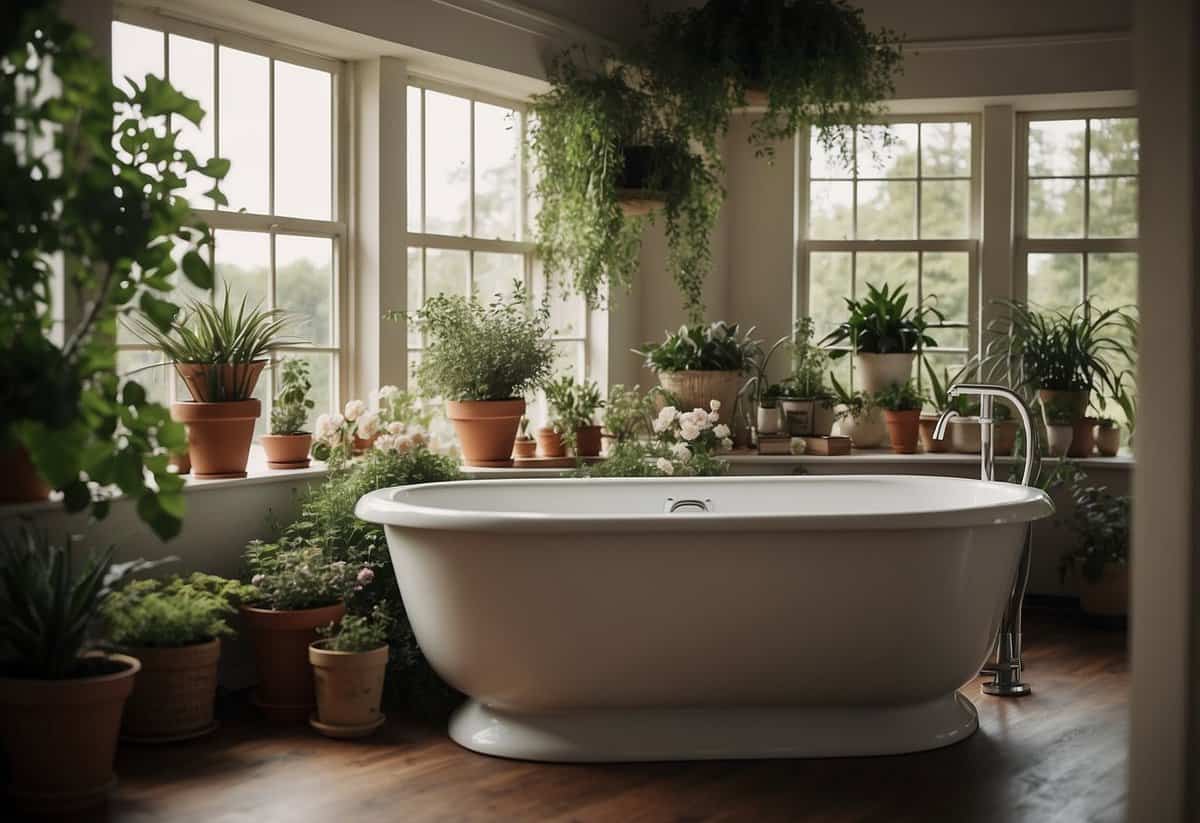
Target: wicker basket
column 695, row 389
column 174, row 692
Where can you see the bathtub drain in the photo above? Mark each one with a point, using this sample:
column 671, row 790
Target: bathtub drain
column 689, row 504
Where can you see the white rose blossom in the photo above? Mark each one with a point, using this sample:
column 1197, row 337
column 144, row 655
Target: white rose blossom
column 385, row 442
column 327, row 426
column 354, row 410
column 727, row 444
column 681, row 452
column 396, row 427
column 688, row 432
column 721, row 431
column 368, row 425
column 664, row 465
column 386, row 393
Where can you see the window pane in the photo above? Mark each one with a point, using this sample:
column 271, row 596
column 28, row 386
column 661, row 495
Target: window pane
column 1056, row 147
column 243, row 261
column 1114, row 146
column 1112, row 280
column 1055, row 208
column 831, row 210
column 567, row 310
column 828, row 286
column 568, row 360
column 446, row 272
column 945, row 284
column 415, row 295
column 447, row 163
column 413, row 148
column 304, row 286
column 497, row 143
column 1112, row 209
column 323, row 376
column 827, row 163
column 154, row 380
column 192, row 74
column 136, row 52
column 945, row 209
column 945, row 149
column 414, row 360
column 887, row 211
column 245, row 104
column 895, row 269
column 896, row 159
column 495, row 273
column 1055, row 280
column 303, row 142
column 950, row 337
column 945, row 365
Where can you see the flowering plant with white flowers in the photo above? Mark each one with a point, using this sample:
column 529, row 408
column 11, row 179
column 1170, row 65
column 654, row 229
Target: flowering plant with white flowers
column 399, row 423
column 682, row 444
column 291, row 578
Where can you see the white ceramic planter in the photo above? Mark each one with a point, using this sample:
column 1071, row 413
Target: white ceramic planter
column 964, row 435
column 1059, row 437
column 866, row 432
column 768, row 419
column 876, row 372
column 823, row 418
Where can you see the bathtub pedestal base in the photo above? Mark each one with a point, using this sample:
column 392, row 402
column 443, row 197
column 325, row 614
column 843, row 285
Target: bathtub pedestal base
column 624, row 735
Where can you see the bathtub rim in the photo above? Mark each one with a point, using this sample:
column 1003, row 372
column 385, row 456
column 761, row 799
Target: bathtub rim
column 381, row 506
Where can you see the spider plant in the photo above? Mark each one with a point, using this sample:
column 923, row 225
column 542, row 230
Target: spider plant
column 857, row 404
column 939, row 387
column 883, row 323
column 759, row 386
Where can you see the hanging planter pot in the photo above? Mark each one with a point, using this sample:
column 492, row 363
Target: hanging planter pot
column 635, row 191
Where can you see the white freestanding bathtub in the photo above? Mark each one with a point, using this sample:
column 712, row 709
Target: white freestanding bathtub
column 796, row 617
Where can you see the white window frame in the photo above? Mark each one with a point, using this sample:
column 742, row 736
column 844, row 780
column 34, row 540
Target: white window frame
column 806, row 245
column 273, row 225
column 1082, row 246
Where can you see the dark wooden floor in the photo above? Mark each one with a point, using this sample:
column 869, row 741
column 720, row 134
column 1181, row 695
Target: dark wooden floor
column 1059, row 755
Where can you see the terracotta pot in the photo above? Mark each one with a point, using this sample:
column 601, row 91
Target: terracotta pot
column 1077, row 401
column 287, row 451
column 926, row 426
column 903, row 429
column 1108, row 440
column 60, row 736
column 1108, row 596
column 182, row 461
column 823, row 417
column 1083, row 441
column 1004, row 437
column 219, row 435
column 218, row 384
column 866, row 432
column 587, row 441
column 767, row 419
column 285, row 684
column 877, row 372
column 486, row 429
column 349, row 688
column 796, row 415
column 19, row 480
column 1058, row 438
column 525, row 449
column 695, row 390
column 173, row 696
column 550, row 443
column 964, row 435
column 360, row 445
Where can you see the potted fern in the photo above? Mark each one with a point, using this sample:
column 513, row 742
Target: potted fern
column 288, row 443
column 348, row 665
column 60, row 702
column 901, row 413
column 700, row 363
column 1101, row 521
column 174, row 628
column 482, row 359
column 219, row 352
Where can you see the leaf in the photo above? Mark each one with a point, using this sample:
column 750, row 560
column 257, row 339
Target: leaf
column 161, row 98
column 133, row 394
column 127, row 472
column 197, row 270
column 151, row 511
column 216, row 168
column 76, row 496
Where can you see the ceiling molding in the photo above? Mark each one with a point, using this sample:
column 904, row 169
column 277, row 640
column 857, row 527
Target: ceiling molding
column 1020, row 41
column 527, row 19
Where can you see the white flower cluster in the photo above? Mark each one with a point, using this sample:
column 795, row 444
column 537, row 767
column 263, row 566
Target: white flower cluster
column 684, row 430
column 379, row 427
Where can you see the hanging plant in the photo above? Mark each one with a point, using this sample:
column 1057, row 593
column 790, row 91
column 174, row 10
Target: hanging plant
column 813, row 62
column 608, row 164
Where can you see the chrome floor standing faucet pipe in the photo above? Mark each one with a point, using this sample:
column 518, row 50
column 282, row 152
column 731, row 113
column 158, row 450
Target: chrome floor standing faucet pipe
column 1006, row 668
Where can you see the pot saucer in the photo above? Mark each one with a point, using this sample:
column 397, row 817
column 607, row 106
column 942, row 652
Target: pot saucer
column 281, row 464
column 172, row 738
column 345, row 732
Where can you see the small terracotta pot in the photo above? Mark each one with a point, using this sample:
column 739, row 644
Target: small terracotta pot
column 360, row 445
column 550, row 443
column 1108, row 596
column 349, row 687
column 1108, row 440
column 1083, row 441
column 61, row 736
column 173, row 696
column 218, row 383
column 287, row 451
column 219, row 435
column 588, row 441
column 182, row 461
column 486, row 429
column 19, row 480
column 1058, row 438
column 928, row 444
column 525, row 448
column 903, row 429
column 285, row 683
column 1077, row 401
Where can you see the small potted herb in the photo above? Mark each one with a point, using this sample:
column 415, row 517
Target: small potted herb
column 627, row 414
column 764, row 395
column 902, row 414
column 174, row 627
column 699, row 363
column 289, row 441
column 1100, row 519
column 804, row 391
column 219, row 353
column 482, row 359
column 1059, row 414
column 524, row 446
column 885, row 333
column 349, row 664
column 60, row 704
column 572, row 409
column 939, row 397
column 1108, row 437
column 857, row 417
column 297, row 590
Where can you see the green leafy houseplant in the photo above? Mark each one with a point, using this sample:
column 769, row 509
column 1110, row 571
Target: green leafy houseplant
column 809, row 363
column 856, row 404
column 596, row 134
column 697, row 347
column 289, row 414
column 815, row 62
column 1100, row 520
column 113, row 209
column 359, row 632
column 627, row 413
column 572, row 405
column 900, row 397
column 883, row 323
column 287, row 578
column 173, row 612
column 759, row 386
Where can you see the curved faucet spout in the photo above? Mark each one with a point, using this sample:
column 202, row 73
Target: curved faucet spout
column 939, row 429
